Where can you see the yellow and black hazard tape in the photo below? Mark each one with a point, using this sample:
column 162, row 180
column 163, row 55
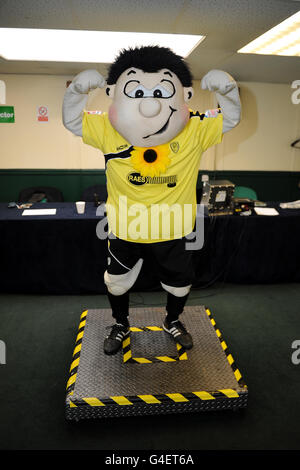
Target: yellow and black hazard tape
column 76, row 354
column 152, row 399
column 228, row 354
column 127, row 353
column 155, row 399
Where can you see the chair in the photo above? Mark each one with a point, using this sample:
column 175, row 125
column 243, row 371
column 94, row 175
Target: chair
column 244, row 192
column 40, row 194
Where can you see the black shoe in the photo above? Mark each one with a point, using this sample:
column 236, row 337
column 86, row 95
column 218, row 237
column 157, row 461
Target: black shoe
column 179, row 333
column 113, row 341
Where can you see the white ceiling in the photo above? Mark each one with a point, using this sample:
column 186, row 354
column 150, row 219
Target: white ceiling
column 227, row 24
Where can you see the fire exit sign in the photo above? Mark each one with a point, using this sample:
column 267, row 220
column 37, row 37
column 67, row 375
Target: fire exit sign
column 7, row 114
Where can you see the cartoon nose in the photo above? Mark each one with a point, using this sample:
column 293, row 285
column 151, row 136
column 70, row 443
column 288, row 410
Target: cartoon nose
column 149, row 107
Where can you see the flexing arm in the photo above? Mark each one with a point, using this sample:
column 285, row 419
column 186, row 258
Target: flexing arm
column 227, row 95
column 76, row 97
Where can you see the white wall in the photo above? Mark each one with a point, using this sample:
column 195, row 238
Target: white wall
column 262, row 141
column 270, row 122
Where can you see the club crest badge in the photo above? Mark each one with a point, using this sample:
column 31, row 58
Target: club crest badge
column 174, row 147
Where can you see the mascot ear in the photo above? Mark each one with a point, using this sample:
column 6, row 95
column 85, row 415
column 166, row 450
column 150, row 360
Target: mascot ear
column 110, row 91
column 188, row 93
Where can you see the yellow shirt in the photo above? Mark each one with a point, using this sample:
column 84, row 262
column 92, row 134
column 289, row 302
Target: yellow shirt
column 144, row 209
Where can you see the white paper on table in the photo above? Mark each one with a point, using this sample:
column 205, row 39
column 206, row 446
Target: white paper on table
column 290, row 205
column 39, row 212
column 266, row 211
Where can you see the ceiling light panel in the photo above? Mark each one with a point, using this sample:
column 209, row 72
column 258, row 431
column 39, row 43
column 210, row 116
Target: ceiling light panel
column 283, row 39
column 53, row 45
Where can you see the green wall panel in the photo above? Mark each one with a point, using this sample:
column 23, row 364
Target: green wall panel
column 269, row 186
column 70, row 182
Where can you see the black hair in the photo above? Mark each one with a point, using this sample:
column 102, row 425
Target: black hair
column 150, row 59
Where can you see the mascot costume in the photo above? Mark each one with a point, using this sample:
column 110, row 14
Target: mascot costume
column 152, row 143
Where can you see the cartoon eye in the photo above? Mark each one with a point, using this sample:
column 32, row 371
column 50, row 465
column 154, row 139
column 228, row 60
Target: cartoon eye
column 165, row 91
column 139, row 94
column 157, row 93
column 133, row 89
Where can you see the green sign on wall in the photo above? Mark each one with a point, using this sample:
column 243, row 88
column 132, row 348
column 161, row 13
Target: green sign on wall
column 7, row 114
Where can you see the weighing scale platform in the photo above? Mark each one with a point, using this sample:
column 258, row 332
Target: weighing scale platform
column 151, row 374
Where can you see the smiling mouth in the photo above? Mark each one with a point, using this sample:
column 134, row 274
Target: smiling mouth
column 164, row 126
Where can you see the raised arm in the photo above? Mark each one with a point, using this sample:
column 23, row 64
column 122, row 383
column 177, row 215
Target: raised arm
column 227, row 95
column 76, row 97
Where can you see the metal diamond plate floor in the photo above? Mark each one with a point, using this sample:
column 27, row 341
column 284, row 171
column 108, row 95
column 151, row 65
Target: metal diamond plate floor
column 98, row 379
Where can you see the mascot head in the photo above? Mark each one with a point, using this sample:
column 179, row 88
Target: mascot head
column 149, row 87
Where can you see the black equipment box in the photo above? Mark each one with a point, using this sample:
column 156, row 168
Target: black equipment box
column 217, row 197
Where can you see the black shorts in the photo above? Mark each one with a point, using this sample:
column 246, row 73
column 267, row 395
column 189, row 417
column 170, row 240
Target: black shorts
column 170, row 261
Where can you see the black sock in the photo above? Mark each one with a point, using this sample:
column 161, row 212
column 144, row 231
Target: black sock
column 120, row 307
column 175, row 306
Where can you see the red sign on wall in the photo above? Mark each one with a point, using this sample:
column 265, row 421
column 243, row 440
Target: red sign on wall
column 42, row 114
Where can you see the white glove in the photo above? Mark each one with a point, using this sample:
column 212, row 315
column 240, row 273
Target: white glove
column 227, row 94
column 88, row 80
column 218, row 81
column 76, row 97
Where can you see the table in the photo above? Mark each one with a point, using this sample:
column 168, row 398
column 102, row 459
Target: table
column 61, row 254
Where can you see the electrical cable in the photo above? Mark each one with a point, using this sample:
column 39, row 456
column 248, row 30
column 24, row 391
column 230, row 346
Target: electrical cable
column 226, row 269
